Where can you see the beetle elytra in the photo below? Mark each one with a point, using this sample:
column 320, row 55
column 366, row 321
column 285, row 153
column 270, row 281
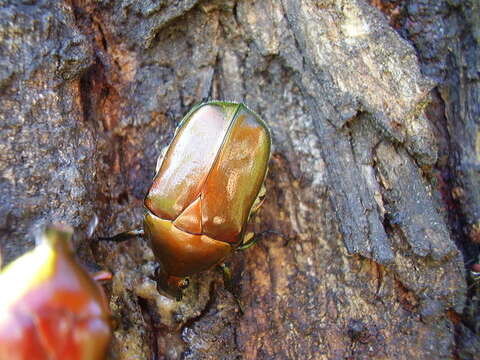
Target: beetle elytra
column 208, row 183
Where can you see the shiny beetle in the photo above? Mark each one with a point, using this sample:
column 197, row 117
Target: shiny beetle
column 208, row 183
column 50, row 308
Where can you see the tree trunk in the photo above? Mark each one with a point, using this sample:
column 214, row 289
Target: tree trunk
column 373, row 186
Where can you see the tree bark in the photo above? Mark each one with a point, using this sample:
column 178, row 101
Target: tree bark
column 373, row 186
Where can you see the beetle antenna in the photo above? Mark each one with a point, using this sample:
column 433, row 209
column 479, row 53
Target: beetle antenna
column 123, row 236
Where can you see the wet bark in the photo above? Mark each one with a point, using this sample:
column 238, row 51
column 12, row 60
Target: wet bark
column 373, row 183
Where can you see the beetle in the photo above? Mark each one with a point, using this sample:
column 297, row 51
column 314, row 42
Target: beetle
column 209, row 182
column 50, row 308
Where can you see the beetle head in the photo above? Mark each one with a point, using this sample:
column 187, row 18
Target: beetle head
column 171, row 285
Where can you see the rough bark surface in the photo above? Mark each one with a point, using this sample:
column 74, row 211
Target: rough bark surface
column 373, row 183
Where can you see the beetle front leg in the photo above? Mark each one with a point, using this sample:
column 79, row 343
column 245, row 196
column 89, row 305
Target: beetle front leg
column 123, row 236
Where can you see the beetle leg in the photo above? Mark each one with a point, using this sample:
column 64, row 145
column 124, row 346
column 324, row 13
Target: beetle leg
column 248, row 240
column 227, row 277
column 228, row 283
column 251, row 239
column 259, row 200
column 124, row 236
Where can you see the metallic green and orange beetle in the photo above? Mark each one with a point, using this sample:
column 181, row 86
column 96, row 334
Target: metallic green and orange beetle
column 208, row 183
column 50, row 308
